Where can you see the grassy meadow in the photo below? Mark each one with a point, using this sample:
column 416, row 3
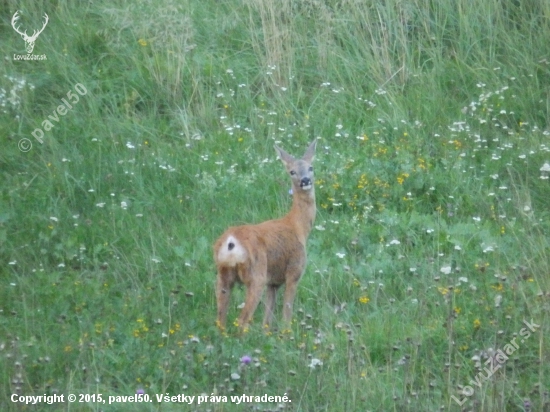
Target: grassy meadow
column 428, row 278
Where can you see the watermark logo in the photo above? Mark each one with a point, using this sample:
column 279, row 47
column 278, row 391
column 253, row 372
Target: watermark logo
column 29, row 40
column 495, row 361
column 25, row 144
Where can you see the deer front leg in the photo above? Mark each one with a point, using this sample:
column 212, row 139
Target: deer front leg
column 291, row 287
column 270, row 304
column 225, row 282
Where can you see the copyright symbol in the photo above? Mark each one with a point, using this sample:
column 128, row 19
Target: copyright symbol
column 71, row 398
column 24, row 145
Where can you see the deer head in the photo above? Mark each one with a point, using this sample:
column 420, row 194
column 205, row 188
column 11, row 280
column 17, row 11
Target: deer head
column 29, row 40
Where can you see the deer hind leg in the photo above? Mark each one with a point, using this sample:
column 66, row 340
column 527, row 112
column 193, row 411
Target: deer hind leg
column 226, row 279
column 271, row 295
column 254, row 278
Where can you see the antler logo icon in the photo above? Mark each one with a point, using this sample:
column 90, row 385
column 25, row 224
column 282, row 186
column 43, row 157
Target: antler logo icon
column 29, row 40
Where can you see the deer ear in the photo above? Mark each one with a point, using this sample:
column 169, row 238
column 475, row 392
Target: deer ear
column 310, row 152
column 284, row 156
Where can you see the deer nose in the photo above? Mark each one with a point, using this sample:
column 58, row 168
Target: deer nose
column 306, row 181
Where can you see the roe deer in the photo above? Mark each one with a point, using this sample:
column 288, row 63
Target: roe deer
column 271, row 253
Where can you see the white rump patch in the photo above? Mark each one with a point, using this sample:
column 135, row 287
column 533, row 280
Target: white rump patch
column 231, row 252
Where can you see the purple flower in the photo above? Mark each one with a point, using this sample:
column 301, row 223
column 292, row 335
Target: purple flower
column 246, row 359
column 140, row 391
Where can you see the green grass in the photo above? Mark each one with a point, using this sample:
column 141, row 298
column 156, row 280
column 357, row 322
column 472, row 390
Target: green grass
column 430, row 246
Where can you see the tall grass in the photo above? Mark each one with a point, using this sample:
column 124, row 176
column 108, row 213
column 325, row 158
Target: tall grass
column 429, row 252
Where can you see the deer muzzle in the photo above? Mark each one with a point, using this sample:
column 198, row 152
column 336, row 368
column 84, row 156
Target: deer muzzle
column 305, row 183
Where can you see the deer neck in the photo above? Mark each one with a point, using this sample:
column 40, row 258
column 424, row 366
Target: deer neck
column 302, row 213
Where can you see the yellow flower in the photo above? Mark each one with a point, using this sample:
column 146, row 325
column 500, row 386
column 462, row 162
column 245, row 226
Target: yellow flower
column 364, row 299
column 443, row 290
column 401, row 178
column 477, row 324
column 142, row 42
column 363, row 181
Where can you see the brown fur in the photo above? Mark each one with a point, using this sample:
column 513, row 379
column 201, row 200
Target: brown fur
column 269, row 254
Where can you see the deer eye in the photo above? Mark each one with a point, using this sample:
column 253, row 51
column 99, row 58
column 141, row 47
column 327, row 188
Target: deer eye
column 311, row 168
column 292, row 173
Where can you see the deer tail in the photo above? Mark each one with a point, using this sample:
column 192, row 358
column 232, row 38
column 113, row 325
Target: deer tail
column 230, row 251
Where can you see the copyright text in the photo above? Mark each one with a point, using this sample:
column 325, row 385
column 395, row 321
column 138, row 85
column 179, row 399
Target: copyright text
column 145, row 398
